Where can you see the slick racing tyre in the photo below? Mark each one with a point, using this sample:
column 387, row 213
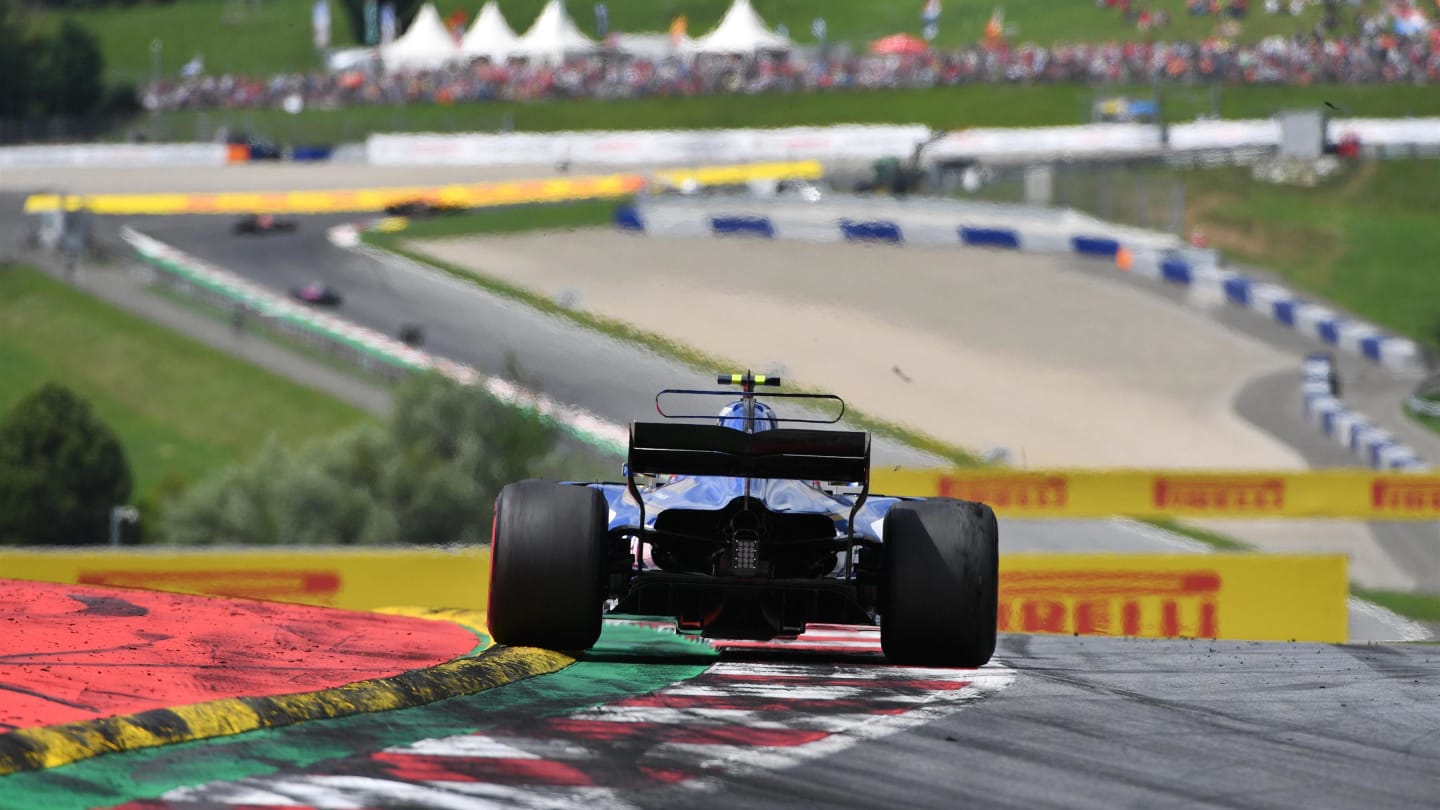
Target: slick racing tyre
column 547, row 565
column 942, row 571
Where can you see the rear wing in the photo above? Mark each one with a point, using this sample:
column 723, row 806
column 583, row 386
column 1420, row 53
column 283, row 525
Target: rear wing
column 793, row 453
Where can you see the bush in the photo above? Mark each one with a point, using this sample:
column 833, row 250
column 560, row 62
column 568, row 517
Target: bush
column 61, row 471
column 428, row 477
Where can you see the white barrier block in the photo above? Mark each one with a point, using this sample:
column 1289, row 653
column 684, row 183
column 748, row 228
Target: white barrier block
column 1040, row 240
column 1344, row 425
column 1263, row 296
column 1206, row 291
column 1399, row 353
column 1308, row 318
column 1352, row 332
column 1397, row 455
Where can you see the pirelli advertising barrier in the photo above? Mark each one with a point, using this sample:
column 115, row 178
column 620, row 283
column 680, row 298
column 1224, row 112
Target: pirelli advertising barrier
column 1254, row 597
column 1355, row 494
column 471, row 195
column 342, row 578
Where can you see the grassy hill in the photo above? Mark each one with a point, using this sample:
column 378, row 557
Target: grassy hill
column 1366, row 240
column 181, row 409
column 273, row 36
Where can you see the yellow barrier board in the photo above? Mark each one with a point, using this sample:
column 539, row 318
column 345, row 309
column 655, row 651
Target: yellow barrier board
column 745, row 173
column 476, row 195
column 1250, row 597
column 1351, row 494
column 342, row 578
column 1255, row 597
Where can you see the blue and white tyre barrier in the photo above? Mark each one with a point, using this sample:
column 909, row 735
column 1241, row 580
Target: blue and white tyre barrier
column 1375, row 446
column 889, row 220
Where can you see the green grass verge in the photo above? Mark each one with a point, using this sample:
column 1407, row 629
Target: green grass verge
column 940, row 108
column 1364, row 240
column 1215, row 540
column 591, row 214
column 181, row 409
column 273, row 36
column 1422, row 607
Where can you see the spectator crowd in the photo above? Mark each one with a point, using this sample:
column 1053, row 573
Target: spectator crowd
column 1373, row 51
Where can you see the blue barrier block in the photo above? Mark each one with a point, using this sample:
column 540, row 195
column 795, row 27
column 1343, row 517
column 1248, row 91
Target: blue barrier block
column 1327, row 423
column 1285, row 311
column 311, row 153
column 1359, row 426
column 1377, row 447
column 752, row 226
column 627, row 218
column 1175, row 270
column 1370, row 346
column 1095, row 246
column 878, row 231
column 990, row 237
column 1238, row 290
column 1329, row 330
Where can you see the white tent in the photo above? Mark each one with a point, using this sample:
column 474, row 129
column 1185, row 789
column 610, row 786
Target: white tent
column 426, row 45
column 489, row 36
column 741, row 31
column 553, row 36
column 650, row 46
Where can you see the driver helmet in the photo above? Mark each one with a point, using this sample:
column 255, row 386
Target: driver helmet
column 733, row 416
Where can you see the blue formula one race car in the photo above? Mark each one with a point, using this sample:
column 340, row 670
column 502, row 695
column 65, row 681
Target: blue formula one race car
column 736, row 531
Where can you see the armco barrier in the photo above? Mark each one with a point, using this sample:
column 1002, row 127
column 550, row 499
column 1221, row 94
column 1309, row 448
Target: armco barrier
column 474, row 195
column 1375, row 446
column 1120, row 140
column 1252, row 597
column 914, row 221
column 370, row 349
column 342, row 577
column 1232, row 596
column 642, row 148
column 1354, row 494
column 114, row 155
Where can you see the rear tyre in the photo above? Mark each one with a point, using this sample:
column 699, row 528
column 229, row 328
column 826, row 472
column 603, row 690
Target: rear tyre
column 942, row 572
column 547, row 565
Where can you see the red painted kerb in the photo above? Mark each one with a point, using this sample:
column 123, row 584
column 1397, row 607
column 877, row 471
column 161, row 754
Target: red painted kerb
column 74, row 652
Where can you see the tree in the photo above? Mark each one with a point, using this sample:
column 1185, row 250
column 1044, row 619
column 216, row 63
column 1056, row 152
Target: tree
column 73, row 71
column 61, row 471
column 405, row 11
column 18, row 53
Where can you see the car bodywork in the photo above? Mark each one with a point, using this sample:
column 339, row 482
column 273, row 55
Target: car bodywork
column 316, row 293
column 731, row 529
column 264, row 223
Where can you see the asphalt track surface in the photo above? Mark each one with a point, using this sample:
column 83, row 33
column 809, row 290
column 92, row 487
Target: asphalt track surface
column 1073, row 722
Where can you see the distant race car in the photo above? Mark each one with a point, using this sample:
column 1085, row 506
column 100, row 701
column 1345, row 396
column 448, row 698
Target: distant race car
column 421, row 208
column 265, row 223
column 316, row 293
column 736, row 532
